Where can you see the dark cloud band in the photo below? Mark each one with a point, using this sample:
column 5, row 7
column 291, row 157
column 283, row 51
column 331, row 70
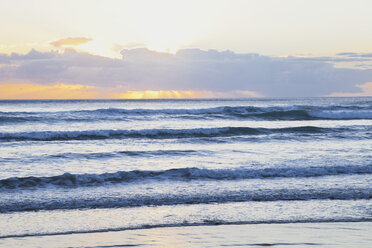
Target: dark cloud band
column 189, row 69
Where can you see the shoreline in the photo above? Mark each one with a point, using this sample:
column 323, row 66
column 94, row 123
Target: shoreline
column 207, row 223
column 324, row 234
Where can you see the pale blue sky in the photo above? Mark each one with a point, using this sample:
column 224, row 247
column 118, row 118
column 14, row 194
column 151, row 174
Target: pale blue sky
column 270, row 27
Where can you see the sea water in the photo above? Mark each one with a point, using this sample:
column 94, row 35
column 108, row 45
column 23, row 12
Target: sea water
column 84, row 166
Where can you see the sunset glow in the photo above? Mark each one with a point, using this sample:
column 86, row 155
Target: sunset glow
column 36, row 91
column 185, row 49
column 187, row 123
column 160, row 94
column 67, row 91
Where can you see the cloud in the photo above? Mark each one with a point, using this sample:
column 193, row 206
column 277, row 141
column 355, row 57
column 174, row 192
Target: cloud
column 356, row 55
column 70, row 41
column 215, row 73
column 118, row 47
column 4, row 59
column 365, row 90
column 32, row 55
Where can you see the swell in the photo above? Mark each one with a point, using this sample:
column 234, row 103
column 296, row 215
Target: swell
column 18, row 119
column 172, row 199
column 81, row 180
column 107, row 155
column 302, row 112
column 161, row 133
column 130, row 153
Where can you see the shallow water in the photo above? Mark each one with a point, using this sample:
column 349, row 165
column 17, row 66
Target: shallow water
column 297, row 235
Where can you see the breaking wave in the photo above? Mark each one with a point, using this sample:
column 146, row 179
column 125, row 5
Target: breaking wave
column 228, row 112
column 78, row 180
column 160, row 133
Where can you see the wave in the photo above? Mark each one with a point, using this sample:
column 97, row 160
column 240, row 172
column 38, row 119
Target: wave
column 20, row 204
column 70, row 156
column 16, row 119
column 130, row 153
column 160, row 133
column 342, row 115
column 236, row 112
column 78, row 180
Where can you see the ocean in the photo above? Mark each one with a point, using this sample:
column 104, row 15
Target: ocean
column 95, row 166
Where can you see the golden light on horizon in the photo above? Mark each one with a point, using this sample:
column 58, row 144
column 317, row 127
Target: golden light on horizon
column 69, row 91
column 38, row 91
column 77, row 91
column 158, row 94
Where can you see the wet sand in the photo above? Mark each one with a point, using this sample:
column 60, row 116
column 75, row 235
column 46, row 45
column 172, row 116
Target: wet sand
column 343, row 234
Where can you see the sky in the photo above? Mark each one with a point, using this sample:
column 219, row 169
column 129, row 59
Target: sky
column 185, row 49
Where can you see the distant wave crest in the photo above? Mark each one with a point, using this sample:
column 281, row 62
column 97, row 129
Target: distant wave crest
column 159, row 133
column 77, row 180
column 224, row 112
